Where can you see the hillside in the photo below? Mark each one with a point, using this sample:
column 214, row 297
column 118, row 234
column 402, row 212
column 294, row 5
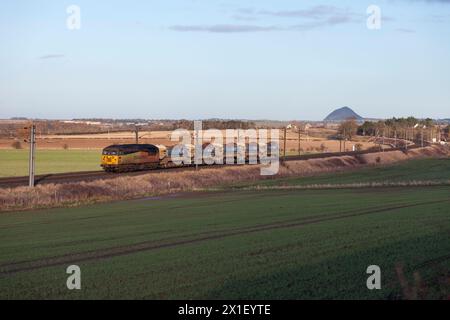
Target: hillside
column 342, row 114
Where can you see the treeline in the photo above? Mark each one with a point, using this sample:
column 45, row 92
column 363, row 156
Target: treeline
column 410, row 128
column 209, row 124
column 56, row 127
column 395, row 124
column 113, row 121
column 49, row 127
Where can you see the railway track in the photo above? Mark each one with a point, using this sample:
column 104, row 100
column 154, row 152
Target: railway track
column 340, row 154
column 12, row 182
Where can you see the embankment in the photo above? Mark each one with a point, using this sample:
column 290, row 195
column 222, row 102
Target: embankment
column 154, row 184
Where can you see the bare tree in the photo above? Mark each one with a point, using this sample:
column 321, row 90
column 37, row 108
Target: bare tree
column 347, row 130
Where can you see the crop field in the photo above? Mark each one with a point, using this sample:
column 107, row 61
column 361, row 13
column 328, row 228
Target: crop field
column 14, row 163
column 238, row 244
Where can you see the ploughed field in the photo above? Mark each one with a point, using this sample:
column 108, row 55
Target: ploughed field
column 249, row 244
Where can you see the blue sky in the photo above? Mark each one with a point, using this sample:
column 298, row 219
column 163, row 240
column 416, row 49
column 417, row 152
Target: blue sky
column 244, row 59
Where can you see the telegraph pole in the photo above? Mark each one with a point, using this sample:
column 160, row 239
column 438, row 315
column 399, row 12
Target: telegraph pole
column 284, row 147
column 345, row 139
column 406, row 138
column 136, row 133
column 422, row 135
column 422, row 138
column 31, row 166
column 299, row 141
column 395, row 138
column 196, row 133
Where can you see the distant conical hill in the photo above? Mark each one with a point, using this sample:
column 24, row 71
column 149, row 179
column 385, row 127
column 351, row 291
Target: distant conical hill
column 343, row 114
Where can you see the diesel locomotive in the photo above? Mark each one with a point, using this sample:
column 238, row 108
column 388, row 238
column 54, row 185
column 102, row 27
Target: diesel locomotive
column 134, row 157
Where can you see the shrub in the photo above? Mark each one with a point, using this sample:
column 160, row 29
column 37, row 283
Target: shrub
column 16, row 145
column 65, row 146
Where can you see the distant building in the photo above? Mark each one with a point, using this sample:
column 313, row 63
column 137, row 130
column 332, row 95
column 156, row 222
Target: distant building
column 92, row 123
column 291, row 126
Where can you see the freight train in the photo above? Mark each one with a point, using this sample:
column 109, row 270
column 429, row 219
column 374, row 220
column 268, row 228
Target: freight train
column 137, row 157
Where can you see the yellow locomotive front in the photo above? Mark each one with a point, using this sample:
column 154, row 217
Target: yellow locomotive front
column 110, row 158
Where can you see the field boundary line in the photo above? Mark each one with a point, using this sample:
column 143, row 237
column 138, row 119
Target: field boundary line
column 413, row 183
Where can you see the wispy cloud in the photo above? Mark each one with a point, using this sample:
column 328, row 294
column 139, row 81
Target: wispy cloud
column 244, row 17
column 431, row 1
column 439, row 18
column 304, row 19
column 51, row 56
column 318, row 13
column 315, row 12
column 406, row 30
column 224, row 28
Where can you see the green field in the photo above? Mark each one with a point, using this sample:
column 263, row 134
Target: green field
column 14, row 163
column 437, row 170
column 289, row 244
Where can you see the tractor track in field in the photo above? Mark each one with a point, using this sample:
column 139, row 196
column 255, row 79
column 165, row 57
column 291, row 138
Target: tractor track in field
column 30, row 265
column 432, row 262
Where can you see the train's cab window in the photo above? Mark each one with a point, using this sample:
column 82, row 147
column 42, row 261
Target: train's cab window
column 110, row 153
